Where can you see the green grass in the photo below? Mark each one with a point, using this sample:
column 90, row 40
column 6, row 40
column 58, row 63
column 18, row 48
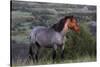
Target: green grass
column 43, row 61
column 79, row 47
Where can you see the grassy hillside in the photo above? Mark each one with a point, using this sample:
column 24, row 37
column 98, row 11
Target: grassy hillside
column 78, row 47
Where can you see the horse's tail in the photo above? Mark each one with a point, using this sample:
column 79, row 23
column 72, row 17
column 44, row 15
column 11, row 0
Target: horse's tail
column 32, row 35
column 29, row 35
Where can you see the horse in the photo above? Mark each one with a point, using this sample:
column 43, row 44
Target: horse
column 51, row 37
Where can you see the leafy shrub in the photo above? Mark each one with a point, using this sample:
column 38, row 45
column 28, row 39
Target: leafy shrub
column 80, row 44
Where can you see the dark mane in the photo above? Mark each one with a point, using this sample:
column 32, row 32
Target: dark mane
column 59, row 26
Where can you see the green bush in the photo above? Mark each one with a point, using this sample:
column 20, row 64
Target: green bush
column 80, row 44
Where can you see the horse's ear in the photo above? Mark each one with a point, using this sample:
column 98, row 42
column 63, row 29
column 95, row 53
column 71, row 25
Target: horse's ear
column 73, row 18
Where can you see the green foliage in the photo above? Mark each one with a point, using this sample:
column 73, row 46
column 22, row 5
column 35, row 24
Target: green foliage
column 80, row 44
column 79, row 47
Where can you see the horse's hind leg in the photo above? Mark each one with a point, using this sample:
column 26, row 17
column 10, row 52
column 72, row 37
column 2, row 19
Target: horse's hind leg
column 31, row 52
column 30, row 57
column 37, row 56
column 37, row 51
column 54, row 53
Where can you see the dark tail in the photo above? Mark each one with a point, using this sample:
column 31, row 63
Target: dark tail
column 30, row 54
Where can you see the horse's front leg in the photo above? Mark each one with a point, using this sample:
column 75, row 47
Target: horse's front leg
column 54, row 53
column 62, row 52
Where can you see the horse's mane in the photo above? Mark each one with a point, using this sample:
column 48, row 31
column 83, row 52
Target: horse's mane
column 59, row 26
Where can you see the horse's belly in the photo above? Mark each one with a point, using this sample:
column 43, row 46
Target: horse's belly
column 44, row 41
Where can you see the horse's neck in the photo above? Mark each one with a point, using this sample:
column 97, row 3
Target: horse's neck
column 65, row 29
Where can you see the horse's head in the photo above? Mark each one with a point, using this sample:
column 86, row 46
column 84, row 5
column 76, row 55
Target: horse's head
column 68, row 22
column 73, row 24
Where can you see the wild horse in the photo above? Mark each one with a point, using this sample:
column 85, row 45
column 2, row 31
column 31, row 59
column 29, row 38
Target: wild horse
column 51, row 37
